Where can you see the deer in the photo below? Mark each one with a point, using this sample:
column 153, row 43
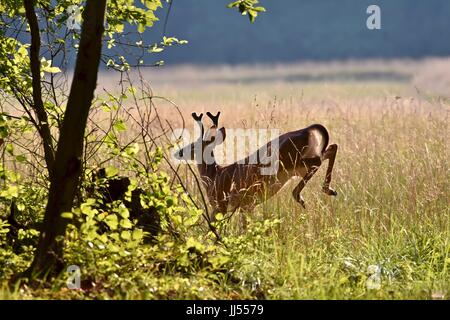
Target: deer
column 242, row 185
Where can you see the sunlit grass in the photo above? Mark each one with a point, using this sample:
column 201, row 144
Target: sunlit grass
column 392, row 176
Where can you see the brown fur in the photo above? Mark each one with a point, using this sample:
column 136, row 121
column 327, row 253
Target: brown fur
column 241, row 184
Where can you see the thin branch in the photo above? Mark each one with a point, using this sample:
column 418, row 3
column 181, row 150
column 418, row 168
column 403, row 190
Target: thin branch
column 35, row 66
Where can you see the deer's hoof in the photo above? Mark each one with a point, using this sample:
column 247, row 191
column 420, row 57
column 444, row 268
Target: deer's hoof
column 298, row 197
column 301, row 201
column 329, row 191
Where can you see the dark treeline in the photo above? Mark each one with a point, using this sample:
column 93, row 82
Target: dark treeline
column 293, row 30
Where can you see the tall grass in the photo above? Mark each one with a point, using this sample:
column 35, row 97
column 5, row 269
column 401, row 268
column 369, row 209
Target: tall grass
column 392, row 177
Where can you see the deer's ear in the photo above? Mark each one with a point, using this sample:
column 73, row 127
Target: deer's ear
column 215, row 136
column 221, row 135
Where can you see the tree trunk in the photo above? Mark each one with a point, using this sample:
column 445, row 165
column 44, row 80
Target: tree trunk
column 48, row 258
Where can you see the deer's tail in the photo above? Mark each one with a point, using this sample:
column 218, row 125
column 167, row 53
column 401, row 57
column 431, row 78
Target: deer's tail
column 321, row 137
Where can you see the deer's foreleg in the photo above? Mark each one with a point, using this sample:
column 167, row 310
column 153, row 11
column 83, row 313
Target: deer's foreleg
column 330, row 154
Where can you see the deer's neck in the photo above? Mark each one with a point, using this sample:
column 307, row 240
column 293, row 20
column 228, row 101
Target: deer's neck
column 208, row 171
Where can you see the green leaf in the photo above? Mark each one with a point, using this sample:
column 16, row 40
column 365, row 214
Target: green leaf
column 125, row 235
column 10, row 193
column 132, row 149
column 119, row 28
column 9, row 148
column 105, row 106
column 219, row 216
column 120, row 125
column 247, row 7
column 52, row 70
column 155, row 49
column 123, row 212
column 21, row 158
column 138, row 234
column 141, row 27
column 111, row 172
column 88, row 210
column 112, row 221
column 46, row 66
column 67, row 215
column 126, row 223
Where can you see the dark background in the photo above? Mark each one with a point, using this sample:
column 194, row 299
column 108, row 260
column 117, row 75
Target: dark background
column 295, row 30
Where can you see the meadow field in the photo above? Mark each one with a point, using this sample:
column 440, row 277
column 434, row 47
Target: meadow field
column 391, row 122
column 387, row 233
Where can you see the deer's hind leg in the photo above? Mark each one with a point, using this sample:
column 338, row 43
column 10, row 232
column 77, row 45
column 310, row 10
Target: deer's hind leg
column 311, row 165
column 330, row 154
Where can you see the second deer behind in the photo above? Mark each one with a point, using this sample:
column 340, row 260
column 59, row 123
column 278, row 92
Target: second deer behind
column 244, row 184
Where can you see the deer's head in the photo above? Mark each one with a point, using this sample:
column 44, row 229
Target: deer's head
column 201, row 149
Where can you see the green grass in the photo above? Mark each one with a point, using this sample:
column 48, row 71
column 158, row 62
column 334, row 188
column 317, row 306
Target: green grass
column 392, row 210
column 392, row 177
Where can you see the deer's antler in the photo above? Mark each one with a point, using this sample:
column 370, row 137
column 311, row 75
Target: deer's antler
column 215, row 119
column 198, row 119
